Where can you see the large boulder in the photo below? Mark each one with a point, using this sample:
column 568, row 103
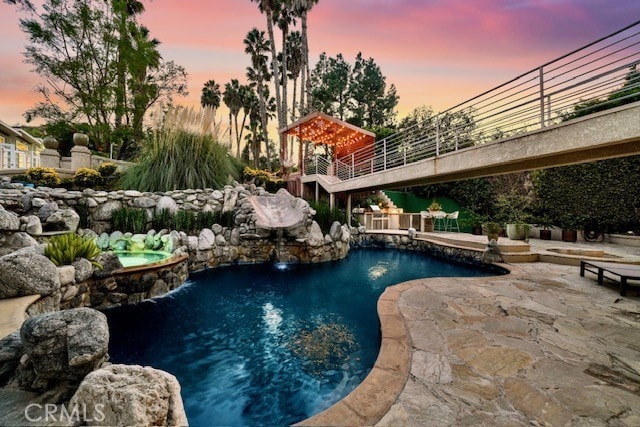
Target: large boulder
column 105, row 211
column 8, row 220
column 64, row 219
column 65, row 345
column 46, row 210
column 168, row 204
column 27, row 273
column 13, row 241
column 131, row 395
column 11, row 350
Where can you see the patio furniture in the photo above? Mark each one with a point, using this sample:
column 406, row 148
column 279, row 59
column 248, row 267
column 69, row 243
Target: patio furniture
column 452, row 221
column 624, row 272
column 439, row 220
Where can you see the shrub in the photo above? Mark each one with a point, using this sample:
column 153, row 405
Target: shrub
column 107, row 169
column 20, row 178
column 184, row 221
column 47, row 177
column 65, row 248
column 162, row 219
column 129, row 220
column 325, row 216
column 263, row 178
column 180, row 157
column 86, row 178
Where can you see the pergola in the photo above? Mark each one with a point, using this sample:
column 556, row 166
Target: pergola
column 321, row 129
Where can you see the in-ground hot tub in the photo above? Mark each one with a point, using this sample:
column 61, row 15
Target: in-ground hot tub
column 145, row 258
column 595, row 253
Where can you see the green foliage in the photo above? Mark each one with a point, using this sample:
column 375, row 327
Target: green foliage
column 129, row 220
column 513, row 208
column 492, row 229
column 357, row 94
column 97, row 62
column 47, row 177
column 178, row 159
column 602, row 195
column 184, row 221
column 21, row 178
column 65, row 248
column 87, row 178
column 325, row 216
column 83, row 212
column 190, row 222
column 107, row 169
column 263, row 178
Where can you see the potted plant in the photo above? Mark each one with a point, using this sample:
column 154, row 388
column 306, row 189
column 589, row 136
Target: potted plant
column 569, row 224
column 514, row 207
column 474, row 221
column 434, row 206
column 492, row 230
column 545, row 224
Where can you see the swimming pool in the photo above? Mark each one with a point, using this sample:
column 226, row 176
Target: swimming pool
column 258, row 345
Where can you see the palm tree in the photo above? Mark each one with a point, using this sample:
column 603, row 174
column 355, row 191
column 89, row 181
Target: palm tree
column 210, row 95
column 248, row 101
column 295, row 63
column 232, row 98
column 257, row 47
column 126, row 10
column 301, row 8
column 271, row 9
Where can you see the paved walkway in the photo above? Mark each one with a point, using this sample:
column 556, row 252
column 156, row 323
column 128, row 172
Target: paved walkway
column 541, row 346
column 13, row 313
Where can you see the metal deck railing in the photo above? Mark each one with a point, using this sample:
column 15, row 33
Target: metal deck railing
column 594, row 77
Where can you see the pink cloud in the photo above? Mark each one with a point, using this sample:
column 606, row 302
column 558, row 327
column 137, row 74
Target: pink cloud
column 436, row 52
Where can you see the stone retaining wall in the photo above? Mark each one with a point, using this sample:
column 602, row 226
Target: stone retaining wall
column 360, row 239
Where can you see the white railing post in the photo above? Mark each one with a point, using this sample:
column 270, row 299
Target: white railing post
column 353, row 166
column 384, row 154
column 541, row 78
column 315, row 162
column 437, row 135
column 548, row 110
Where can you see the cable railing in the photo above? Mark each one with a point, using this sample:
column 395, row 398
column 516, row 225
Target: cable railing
column 592, row 78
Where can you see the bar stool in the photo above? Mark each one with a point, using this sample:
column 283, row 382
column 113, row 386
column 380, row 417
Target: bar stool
column 439, row 220
column 452, row 222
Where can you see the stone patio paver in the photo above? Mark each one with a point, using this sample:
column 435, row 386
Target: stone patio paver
column 540, row 346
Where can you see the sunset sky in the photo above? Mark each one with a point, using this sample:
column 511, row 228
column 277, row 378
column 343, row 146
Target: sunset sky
column 436, row 52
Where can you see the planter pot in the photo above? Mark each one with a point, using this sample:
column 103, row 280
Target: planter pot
column 569, row 235
column 50, row 143
column 81, row 139
column 476, row 230
column 545, row 234
column 518, row 231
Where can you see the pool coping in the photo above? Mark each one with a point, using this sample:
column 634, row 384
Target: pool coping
column 374, row 396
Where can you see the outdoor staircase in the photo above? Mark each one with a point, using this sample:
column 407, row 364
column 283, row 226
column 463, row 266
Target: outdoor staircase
column 386, row 200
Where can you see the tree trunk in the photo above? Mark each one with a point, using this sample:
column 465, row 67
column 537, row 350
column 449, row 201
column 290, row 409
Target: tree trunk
column 293, row 115
column 276, row 78
column 263, row 120
column 235, row 122
column 284, row 119
column 305, row 84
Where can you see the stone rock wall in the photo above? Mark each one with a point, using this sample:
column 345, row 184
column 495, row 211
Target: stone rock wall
column 360, row 239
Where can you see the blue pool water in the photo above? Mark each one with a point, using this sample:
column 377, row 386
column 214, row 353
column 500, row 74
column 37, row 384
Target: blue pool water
column 261, row 345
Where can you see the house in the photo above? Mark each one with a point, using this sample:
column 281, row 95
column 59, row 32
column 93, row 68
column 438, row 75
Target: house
column 18, row 149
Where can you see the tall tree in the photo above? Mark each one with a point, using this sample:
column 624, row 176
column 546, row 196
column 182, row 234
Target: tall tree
column 330, row 82
column 257, row 47
column 301, row 9
column 210, row 95
column 295, row 64
column 232, row 98
column 271, row 9
column 99, row 65
column 372, row 104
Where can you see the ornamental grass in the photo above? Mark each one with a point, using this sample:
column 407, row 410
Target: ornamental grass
column 183, row 153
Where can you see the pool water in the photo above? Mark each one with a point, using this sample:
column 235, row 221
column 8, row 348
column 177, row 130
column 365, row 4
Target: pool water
column 260, row 345
column 135, row 259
